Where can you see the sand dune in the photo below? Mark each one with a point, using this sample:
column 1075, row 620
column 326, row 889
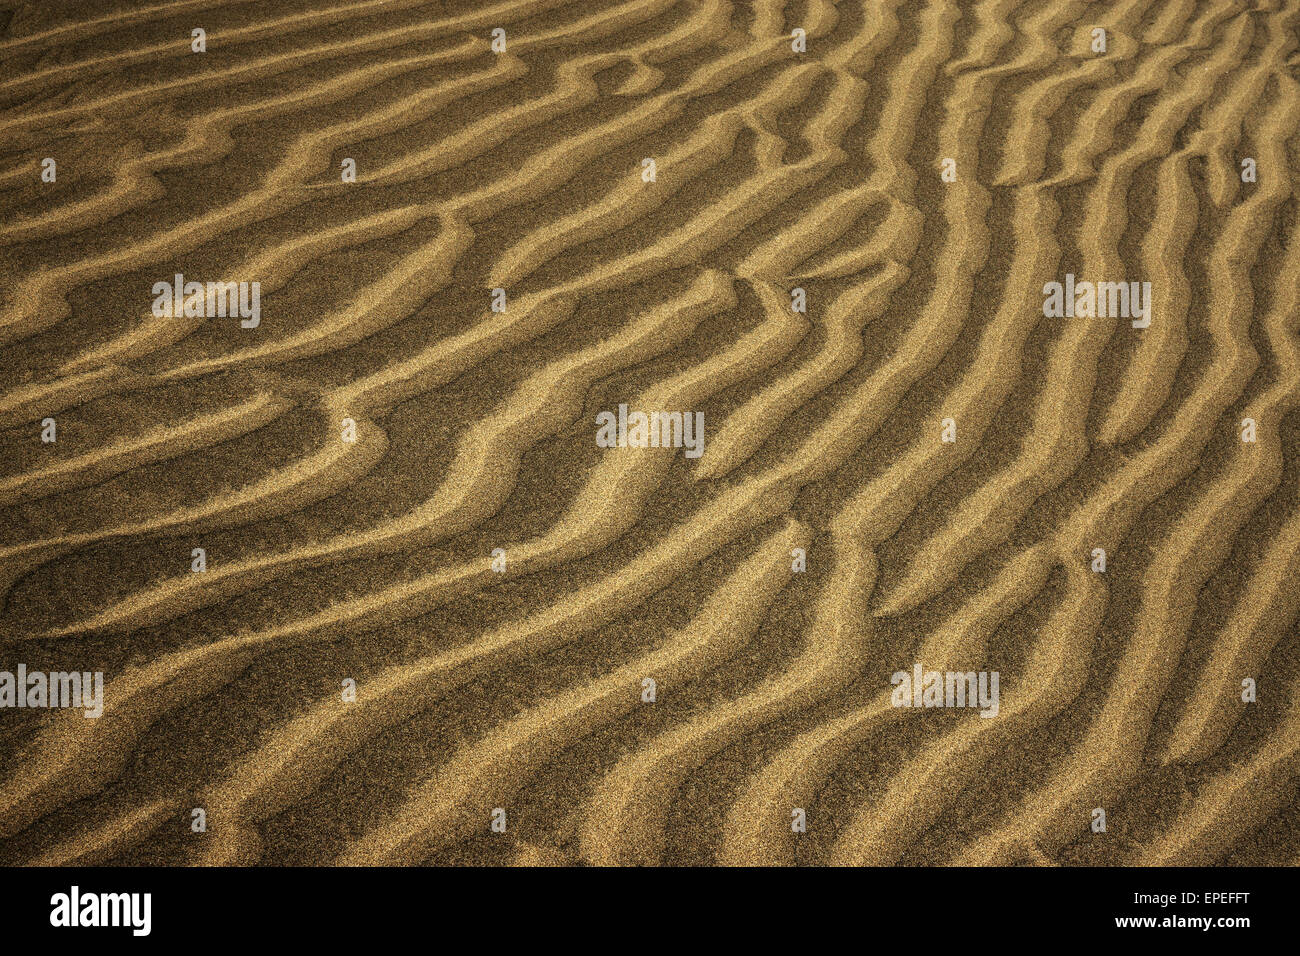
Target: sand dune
column 366, row 585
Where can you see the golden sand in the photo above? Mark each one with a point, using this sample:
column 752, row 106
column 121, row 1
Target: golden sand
column 564, row 653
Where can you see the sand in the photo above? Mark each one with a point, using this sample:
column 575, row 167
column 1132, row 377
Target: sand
column 365, row 585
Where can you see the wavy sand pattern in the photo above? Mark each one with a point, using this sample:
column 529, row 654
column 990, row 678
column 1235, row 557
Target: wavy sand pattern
column 797, row 146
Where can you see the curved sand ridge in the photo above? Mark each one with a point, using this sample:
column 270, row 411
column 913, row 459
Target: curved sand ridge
column 826, row 538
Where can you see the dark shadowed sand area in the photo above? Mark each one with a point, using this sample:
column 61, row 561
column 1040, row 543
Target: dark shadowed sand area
column 387, row 472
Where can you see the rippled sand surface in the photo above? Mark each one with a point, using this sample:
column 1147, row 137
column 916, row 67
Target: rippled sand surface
column 388, row 478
